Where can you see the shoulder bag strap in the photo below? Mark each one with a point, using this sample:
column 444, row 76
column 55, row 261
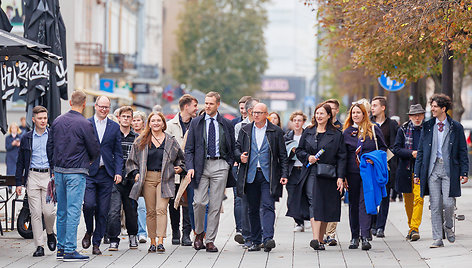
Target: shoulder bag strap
column 375, row 137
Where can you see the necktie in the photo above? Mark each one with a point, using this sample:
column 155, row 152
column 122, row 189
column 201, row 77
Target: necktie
column 440, row 126
column 212, row 139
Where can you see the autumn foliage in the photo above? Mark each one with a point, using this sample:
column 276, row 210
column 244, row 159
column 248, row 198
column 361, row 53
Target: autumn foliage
column 405, row 38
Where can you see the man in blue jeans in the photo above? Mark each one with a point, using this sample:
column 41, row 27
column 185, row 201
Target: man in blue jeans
column 71, row 147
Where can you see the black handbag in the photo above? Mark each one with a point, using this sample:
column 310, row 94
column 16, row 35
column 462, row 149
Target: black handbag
column 326, row 171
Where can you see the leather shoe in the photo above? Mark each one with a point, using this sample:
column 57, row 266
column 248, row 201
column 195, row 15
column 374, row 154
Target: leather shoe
column 198, row 243
column 39, row 252
column 254, row 247
column 210, row 247
column 365, row 244
column 380, row 233
column 354, row 243
column 86, row 240
column 106, row 239
column 269, row 245
column 186, row 241
column 96, row 250
column 52, row 241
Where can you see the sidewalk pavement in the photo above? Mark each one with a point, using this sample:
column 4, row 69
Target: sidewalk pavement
column 292, row 249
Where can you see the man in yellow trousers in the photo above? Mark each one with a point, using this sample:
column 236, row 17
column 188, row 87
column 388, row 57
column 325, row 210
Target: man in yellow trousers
column 406, row 144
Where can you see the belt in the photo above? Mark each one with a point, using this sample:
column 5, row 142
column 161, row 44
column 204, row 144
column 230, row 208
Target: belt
column 439, row 160
column 42, row 170
column 156, row 170
column 259, row 169
column 299, row 168
column 214, row 158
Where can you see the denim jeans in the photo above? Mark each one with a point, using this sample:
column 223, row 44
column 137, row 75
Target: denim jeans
column 70, row 189
column 142, row 217
column 261, row 209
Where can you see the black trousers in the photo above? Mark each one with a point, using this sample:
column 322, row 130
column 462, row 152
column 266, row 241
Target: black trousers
column 120, row 195
column 175, row 218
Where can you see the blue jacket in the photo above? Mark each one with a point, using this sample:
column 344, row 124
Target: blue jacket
column 458, row 157
column 72, row 146
column 24, row 158
column 110, row 150
column 374, row 178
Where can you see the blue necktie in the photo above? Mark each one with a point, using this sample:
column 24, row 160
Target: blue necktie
column 212, row 139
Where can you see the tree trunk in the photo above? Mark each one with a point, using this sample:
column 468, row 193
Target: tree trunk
column 458, row 78
column 447, row 72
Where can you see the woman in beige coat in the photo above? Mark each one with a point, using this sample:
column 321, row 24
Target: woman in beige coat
column 154, row 160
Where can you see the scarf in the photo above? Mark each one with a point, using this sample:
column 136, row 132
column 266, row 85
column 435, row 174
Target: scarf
column 409, row 135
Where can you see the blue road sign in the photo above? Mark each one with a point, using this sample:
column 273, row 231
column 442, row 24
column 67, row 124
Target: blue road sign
column 107, row 85
column 389, row 84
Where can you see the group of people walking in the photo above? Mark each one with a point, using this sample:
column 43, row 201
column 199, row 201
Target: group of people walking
column 99, row 166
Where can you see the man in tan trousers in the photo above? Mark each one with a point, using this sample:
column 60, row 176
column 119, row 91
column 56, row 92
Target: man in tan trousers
column 32, row 170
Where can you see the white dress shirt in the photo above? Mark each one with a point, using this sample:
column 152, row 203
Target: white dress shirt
column 260, row 134
column 101, row 126
column 217, row 133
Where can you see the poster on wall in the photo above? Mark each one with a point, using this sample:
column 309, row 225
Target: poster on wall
column 14, row 10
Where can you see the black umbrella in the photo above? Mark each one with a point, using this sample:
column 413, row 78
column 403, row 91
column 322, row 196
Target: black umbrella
column 44, row 24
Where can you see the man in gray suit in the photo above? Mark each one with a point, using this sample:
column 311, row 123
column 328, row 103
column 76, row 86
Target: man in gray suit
column 441, row 164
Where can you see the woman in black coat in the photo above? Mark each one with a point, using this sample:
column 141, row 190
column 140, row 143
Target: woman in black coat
column 12, row 144
column 294, row 187
column 325, row 198
column 358, row 137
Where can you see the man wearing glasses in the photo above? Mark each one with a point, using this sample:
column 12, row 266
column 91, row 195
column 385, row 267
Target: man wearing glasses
column 264, row 168
column 104, row 171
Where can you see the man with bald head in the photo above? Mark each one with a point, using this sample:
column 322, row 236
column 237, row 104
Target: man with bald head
column 104, row 171
column 264, row 168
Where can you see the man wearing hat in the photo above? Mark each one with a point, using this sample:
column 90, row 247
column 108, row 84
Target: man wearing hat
column 406, row 145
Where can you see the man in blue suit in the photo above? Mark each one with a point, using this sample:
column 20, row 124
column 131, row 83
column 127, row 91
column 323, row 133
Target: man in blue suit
column 441, row 164
column 103, row 172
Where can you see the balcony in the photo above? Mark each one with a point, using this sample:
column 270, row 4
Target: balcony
column 89, row 54
column 119, row 63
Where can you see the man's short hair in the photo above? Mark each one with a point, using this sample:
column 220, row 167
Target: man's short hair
column 333, row 101
column 125, row 109
column 250, row 103
column 298, row 113
column 214, row 94
column 39, row 109
column 78, row 98
column 186, row 99
column 382, row 100
column 442, row 100
column 244, row 99
column 101, row 97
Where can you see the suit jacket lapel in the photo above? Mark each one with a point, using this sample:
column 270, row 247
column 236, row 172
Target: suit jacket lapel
column 107, row 129
column 328, row 137
column 95, row 128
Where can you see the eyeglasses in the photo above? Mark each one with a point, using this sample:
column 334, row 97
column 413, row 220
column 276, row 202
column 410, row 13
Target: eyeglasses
column 258, row 113
column 103, row 107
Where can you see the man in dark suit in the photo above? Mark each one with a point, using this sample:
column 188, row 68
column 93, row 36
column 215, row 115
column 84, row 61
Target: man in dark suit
column 264, row 168
column 103, row 172
column 208, row 157
column 441, row 164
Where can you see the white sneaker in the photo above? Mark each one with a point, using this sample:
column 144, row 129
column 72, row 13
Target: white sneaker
column 142, row 239
column 307, row 225
column 299, row 228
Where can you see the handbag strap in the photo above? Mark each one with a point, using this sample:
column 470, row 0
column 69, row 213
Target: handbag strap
column 375, row 137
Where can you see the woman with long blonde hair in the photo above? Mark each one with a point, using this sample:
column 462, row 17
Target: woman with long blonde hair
column 359, row 139
column 154, row 160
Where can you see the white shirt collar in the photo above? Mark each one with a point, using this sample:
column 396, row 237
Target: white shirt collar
column 264, row 127
column 208, row 116
column 445, row 121
column 98, row 121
